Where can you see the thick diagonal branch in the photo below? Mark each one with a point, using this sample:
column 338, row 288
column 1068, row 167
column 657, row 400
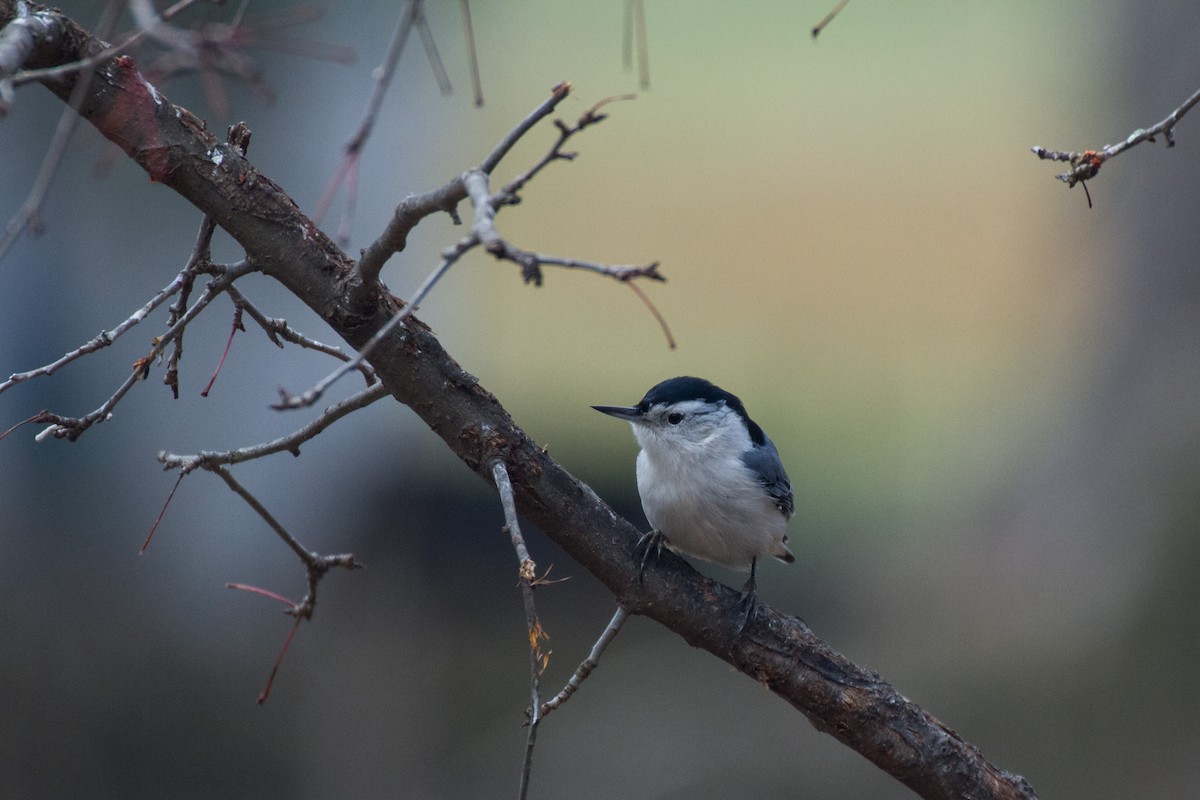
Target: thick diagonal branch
column 852, row 704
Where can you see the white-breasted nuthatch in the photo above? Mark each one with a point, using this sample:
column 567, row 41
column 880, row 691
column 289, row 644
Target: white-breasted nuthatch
column 711, row 481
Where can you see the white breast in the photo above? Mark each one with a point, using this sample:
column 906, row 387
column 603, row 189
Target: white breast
column 707, row 502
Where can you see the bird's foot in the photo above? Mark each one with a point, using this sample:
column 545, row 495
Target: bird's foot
column 651, row 542
column 749, row 599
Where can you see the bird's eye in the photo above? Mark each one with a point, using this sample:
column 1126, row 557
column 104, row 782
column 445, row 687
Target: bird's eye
column 675, row 418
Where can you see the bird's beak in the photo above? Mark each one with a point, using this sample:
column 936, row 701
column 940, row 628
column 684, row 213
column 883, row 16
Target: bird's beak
column 627, row 413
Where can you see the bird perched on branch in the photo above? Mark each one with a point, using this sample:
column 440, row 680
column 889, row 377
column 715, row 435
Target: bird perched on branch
column 711, row 481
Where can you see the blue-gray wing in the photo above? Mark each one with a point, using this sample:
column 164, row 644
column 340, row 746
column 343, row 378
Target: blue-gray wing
column 763, row 461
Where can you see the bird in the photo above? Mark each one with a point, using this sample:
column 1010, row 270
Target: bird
column 711, row 481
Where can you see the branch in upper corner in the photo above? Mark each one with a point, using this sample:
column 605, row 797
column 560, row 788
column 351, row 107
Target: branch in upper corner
column 1086, row 165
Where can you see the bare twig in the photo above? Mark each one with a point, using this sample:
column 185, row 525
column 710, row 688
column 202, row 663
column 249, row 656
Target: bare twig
column 472, row 184
column 72, row 428
column 289, row 443
column 162, row 511
column 527, row 570
column 415, row 208
column 233, row 329
column 413, row 16
column 315, row 564
column 277, row 328
column 431, row 52
column 662, row 322
column 383, row 79
column 102, row 340
column 635, row 28
column 198, row 262
column 820, row 26
column 311, row 396
column 1086, row 165
column 588, row 664
column 556, row 153
column 557, row 94
column 486, row 205
column 472, row 56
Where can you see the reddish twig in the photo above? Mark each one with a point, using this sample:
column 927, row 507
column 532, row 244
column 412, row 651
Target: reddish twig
column 237, row 326
column 1086, row 165
column 158, row 519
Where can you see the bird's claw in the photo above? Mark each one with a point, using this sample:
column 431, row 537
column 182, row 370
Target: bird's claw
column 651, row 542
column 749, row 599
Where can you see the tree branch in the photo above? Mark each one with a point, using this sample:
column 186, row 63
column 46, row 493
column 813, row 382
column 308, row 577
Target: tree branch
column 1086, row 165
column 527, row 572
column 779, row 651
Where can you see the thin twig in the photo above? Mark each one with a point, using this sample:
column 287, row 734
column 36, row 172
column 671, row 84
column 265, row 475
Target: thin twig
column 234, row 328
column 590, row 117
column 557, row 94
column 1086, row 165
column 289, row 443
column 315, row 565
column 527, row 570
column 161, row 512
column 383, row 79
column 415, row 208
column 588, row 664
column 104, row 339
column 198, row 262
column 820, row 26
column 311, row 396
column 635, row 27
column 662, row 321
column 472, row 56
column 472, row 184
column 276, row 327
column 431, row 52
column 71, row 428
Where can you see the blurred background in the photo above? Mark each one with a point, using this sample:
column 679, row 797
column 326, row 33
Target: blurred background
column 984, row 391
